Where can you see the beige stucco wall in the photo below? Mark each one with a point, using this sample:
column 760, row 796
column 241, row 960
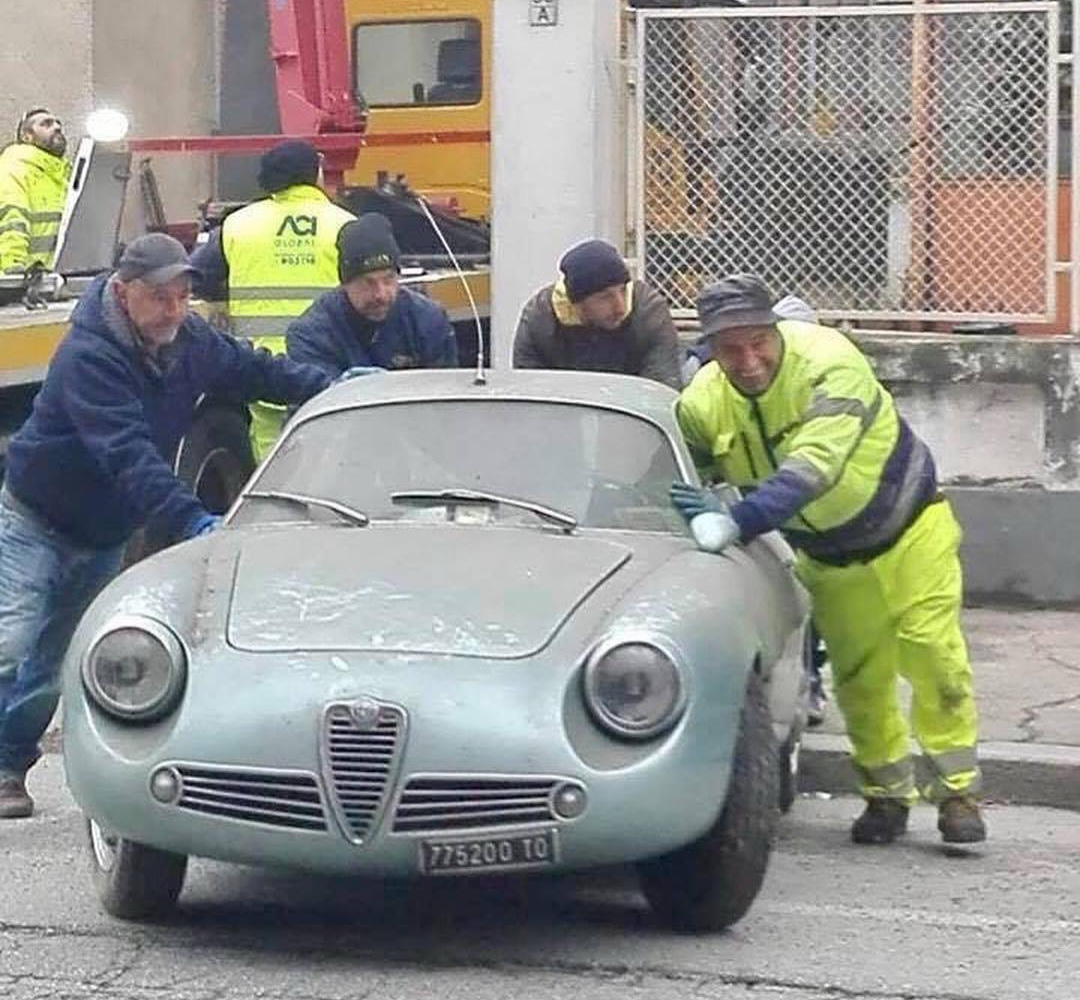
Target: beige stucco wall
column 45, row 58
column 154, row 59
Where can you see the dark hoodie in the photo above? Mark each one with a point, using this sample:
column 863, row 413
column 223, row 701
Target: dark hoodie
column 93, row 459
column 334, row 336
column 552, row 334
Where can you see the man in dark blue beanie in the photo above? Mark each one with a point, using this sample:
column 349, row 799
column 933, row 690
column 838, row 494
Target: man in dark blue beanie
column 596, row 318
column 293, row 161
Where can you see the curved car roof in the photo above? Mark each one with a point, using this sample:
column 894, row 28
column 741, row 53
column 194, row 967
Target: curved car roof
column 641, row 396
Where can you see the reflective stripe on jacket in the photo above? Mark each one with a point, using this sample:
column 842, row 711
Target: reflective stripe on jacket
column 33, row 186
column 831, row 461
column 281, row 254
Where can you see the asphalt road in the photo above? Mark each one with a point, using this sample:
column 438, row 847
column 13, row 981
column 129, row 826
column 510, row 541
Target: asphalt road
column 834, row 921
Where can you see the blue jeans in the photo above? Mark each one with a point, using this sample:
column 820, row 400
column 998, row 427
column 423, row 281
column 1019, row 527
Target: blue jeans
column 46, row 583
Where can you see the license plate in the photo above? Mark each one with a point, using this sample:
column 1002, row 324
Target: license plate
column 513, row 851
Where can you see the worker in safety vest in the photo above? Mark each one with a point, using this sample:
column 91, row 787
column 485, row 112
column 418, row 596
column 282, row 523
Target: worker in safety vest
column 792, row 411
column 272, row 259
column 33, row 185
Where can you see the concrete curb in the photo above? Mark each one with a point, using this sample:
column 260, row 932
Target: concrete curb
column 1028, row 774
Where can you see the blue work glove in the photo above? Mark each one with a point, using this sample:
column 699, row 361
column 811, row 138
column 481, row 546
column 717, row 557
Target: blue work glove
column 693, row 500
column 203, row 525
column 357, row 372
column 714, row 531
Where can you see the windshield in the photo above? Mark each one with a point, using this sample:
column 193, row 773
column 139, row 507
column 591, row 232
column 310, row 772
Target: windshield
column 603, row 468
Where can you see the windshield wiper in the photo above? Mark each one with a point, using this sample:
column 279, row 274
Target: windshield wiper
column 346, row 513
column 433, row 497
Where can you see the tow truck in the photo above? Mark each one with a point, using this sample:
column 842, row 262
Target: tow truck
column 440, row 223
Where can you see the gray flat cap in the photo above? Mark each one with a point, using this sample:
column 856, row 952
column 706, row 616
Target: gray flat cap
column 156, row 258
column 734, row 301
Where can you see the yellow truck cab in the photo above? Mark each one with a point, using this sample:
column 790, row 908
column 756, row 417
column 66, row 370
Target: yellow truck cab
column 423, row 71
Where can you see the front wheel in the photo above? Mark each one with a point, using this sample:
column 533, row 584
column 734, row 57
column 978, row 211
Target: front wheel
column 133, row 881
column 711, row 883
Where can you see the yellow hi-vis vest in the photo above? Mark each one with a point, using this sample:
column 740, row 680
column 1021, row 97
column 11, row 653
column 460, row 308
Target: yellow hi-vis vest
column 33, row 187
column 825, row 422
column 282, row 254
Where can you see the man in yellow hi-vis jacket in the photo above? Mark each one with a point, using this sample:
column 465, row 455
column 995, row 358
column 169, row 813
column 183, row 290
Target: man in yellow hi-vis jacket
column 272, row 259
column 792, row 412
column 33, row 186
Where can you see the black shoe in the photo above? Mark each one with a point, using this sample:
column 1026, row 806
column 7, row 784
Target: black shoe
column 15, row 803
column 960, row 822
column 882, row 822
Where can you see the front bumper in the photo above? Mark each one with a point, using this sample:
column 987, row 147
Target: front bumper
column 357, row 792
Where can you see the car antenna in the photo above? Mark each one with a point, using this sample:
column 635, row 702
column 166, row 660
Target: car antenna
column 480, row 377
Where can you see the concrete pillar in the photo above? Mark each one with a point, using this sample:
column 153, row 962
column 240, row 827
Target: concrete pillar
column 556, row 153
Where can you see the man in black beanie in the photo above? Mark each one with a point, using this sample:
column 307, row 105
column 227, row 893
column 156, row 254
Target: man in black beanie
column 595, row 318
column 270, row 259
column 370, row 320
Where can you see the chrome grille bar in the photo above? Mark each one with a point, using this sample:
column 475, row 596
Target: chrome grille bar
column 361, row 750
column 441, row 803
column 288, row 799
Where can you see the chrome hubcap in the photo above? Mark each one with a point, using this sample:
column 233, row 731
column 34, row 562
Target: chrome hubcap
column 104, row 847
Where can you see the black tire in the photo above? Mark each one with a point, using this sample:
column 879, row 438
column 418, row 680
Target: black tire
column 789, row 749
column 215, row 460
column 788, row 772
column 133, row 881
column 710, row 884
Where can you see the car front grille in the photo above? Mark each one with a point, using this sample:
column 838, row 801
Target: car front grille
column 361, row 754
column 288, row 799
column 446, row 802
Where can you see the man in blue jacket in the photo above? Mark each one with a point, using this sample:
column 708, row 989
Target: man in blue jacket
column 91, row 465
column 370, row 321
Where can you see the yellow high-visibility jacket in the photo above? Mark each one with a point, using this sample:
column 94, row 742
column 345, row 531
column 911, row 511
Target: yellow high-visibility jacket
column 33, row 186
column 281, row 254
column 824, row 451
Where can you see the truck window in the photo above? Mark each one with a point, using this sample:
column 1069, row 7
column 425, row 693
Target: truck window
column 417, row 62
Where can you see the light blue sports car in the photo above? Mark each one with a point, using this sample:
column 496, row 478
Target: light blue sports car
column 448, row 629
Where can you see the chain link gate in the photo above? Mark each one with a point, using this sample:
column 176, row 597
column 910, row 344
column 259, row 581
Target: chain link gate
column 887, row 162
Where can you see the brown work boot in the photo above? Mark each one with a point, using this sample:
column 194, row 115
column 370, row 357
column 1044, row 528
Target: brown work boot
column 960, row 822
column 15, row 802
column 882, row 822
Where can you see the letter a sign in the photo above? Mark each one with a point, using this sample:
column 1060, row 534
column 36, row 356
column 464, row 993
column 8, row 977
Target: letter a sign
column 543, row 13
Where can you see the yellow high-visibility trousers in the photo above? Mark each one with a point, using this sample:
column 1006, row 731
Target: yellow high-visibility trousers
column 899, row 616
column 267, row 419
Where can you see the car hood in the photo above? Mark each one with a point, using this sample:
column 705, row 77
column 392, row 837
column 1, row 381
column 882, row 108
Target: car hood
column 457, row 590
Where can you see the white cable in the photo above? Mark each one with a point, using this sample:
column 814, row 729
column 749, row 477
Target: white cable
column 481, row 378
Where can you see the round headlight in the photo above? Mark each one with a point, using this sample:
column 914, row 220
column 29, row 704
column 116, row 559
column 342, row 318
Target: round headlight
column 634, row 689
column 136, row 669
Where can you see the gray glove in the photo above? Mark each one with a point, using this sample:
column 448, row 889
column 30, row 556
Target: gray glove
column 693, row 500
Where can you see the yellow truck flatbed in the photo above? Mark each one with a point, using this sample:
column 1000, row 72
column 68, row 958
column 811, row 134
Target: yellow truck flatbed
column 28, row 338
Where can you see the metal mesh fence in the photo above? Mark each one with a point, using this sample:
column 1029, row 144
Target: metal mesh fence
column 879, row 163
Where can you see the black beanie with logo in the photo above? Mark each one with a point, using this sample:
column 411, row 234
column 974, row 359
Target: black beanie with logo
column 367, row 244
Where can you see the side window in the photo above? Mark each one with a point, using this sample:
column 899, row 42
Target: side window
column 417, row 62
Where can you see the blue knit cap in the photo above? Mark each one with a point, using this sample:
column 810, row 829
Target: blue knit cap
column 591, row 267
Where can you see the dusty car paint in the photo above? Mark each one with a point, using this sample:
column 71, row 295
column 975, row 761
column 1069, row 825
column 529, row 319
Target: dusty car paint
column 472, row 637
